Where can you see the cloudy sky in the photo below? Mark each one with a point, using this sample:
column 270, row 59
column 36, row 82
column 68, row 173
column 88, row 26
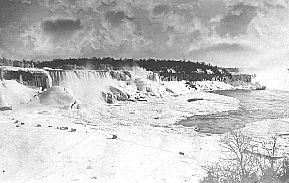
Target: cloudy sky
column 224, row 32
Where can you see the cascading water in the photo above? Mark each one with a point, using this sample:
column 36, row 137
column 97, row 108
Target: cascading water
column 60, row 76
column 273, row 78
column 86, row 85
column 89, row 86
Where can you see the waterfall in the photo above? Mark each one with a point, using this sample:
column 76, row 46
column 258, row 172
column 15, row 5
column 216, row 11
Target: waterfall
column 86, row 85
column 59, row 77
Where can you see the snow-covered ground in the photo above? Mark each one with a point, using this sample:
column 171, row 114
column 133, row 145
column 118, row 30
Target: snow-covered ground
column 36, row 146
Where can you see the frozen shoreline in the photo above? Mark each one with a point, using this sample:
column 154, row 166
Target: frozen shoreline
column 148, row 147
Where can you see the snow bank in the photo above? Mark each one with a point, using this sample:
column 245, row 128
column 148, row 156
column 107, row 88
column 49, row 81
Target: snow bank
column 213, row 85
column 14, row 93
column 176, row 87
column 156, row 88
column 181, row 87
column 3, row 101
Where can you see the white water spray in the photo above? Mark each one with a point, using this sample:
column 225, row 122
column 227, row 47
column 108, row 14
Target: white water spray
column 273, row 78
column 86, row 85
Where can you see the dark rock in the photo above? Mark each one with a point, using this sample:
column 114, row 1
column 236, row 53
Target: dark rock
column 72, row 130
column 261, row 88
column 196, row 128
column 113, row 137
column 194, row 99
column 181, row 153
column 110, row 101
column 169, row 90
column 6, row 108
column 76, row 105
column 63, row 128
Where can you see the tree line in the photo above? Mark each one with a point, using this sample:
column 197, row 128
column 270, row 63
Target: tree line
column 177, row 69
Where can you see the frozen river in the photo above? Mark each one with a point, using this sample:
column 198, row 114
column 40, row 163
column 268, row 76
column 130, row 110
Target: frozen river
column 255, row 105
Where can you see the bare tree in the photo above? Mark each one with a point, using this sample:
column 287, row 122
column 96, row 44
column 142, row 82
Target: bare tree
column 247, row 163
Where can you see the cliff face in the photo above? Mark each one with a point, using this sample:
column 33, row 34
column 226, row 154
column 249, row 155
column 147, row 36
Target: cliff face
column 27, row 76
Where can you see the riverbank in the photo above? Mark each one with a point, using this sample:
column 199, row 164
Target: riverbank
column 121, row 142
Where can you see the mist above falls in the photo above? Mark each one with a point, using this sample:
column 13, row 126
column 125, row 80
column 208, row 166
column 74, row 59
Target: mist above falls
column 276, row 78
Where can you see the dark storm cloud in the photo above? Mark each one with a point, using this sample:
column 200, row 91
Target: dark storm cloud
column 237, row 21
column 210, row 8
column 61, row 26
column 10, row 12
column 116, row 17
column 160, row 9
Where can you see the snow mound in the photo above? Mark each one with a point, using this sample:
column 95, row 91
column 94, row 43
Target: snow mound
column 57, row 96
column 3, row 101
column 150, row 88
column 14, row 93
